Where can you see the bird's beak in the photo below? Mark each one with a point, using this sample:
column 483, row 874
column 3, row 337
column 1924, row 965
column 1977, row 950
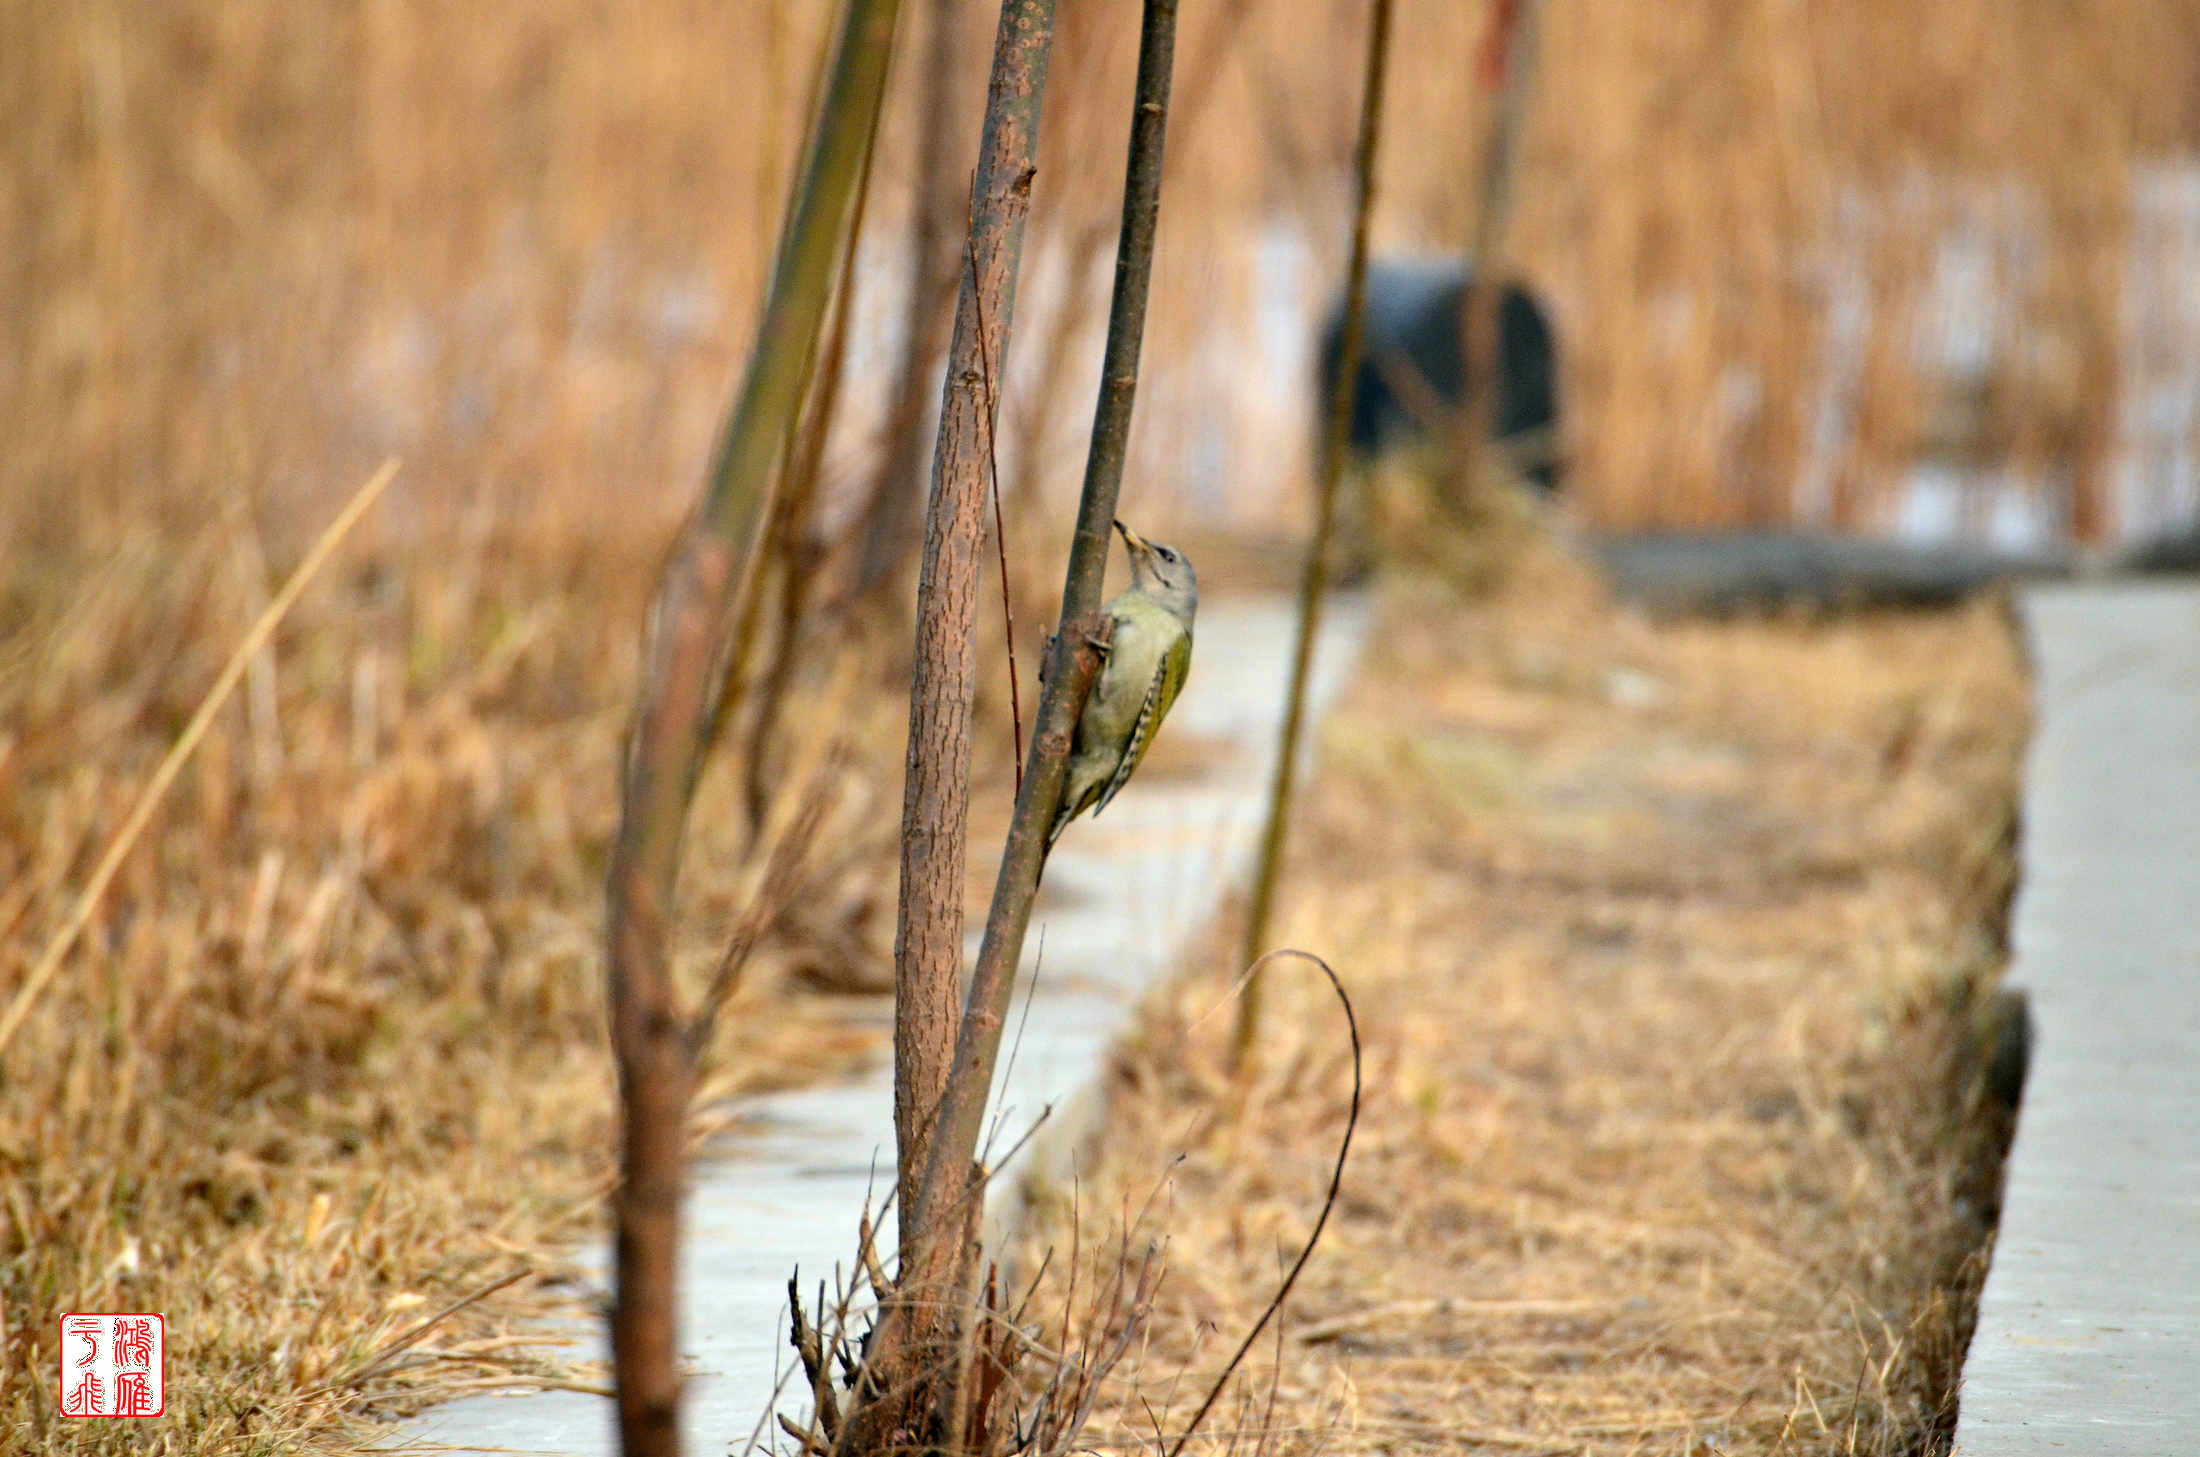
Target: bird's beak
column 1138, row 544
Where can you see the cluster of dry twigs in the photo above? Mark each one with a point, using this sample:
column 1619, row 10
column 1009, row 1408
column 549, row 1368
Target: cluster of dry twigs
column 1017, row 1393
column 1012, row 1393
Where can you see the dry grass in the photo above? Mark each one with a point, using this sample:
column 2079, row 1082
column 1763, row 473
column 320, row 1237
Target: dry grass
column 331, row 1056
column 1663, row 942
column 1730, row 179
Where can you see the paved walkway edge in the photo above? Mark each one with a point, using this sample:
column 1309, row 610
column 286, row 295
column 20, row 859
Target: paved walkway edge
column 2088, row 1337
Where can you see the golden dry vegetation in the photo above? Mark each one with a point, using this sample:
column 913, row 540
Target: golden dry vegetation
column 329, row 1057
column 1667, row 946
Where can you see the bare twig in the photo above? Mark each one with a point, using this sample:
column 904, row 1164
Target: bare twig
column 1315, row 578
column 782, row 871
column 1275, row 1382
column 1392, row 1311
column 388, row 1352
column 1128, row 1313
column 1329, row 1203
column 1000, row 532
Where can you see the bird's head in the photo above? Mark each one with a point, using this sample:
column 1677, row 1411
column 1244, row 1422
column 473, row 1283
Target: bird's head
column 1163, row 571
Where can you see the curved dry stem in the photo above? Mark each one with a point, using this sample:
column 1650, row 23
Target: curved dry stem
column 1329, row 1202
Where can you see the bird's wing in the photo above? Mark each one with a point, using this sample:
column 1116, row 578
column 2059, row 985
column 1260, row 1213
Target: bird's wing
column 1168, row 681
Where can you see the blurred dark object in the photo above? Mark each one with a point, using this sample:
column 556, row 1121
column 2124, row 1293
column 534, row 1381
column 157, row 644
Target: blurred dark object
column 2007, row 1034
column 1727, row 571
column 1413, row 376
column 2178, row 552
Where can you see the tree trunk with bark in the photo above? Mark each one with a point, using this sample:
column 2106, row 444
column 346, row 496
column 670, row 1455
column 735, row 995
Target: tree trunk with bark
column 936, row 789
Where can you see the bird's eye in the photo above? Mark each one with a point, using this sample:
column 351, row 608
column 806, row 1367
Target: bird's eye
column 1167, row 555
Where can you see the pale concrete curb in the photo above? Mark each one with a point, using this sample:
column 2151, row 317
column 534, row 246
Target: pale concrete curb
column 2088, row 1338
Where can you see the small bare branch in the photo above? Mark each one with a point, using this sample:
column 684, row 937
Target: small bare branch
column 782, row 877
column 1000, row 531
column 390, row 1350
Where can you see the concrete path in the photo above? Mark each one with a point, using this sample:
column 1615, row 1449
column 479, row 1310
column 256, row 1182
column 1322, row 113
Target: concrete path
column 788, row 1192
column 2089, row 1331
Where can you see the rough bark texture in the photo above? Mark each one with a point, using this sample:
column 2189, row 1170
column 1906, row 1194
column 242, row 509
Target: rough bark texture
column 1314, row 581
column 936, row 790
column 912, row 1395
column 930, row 1260
column 684, row 665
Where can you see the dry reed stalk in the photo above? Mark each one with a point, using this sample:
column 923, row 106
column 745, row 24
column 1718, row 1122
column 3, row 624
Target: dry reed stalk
column 1314, row 579
column 787, row 538
column 156, row 789
column 686, row 663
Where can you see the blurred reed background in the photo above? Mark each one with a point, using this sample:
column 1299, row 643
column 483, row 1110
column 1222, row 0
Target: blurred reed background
column 1861, row 265
column 1805, row 249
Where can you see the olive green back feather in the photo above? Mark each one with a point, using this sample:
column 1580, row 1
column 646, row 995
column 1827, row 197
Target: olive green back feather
column 1168, row 681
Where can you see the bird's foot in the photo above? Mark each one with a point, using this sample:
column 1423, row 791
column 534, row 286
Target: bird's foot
column 1100, row 639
